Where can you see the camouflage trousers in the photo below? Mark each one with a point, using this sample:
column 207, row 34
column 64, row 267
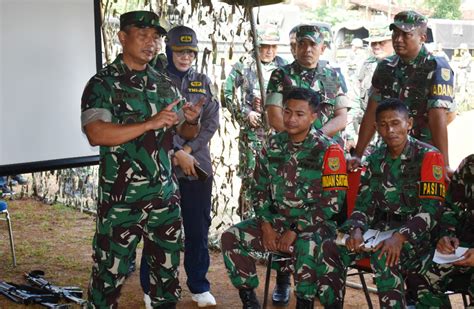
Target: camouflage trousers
column 432, row 283
column 241, row 242
column 118, row 232
column 333, row 260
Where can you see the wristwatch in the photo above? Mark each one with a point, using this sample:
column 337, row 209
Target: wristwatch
column 294, row 228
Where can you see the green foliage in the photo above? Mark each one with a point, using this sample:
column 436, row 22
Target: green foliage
column 445, row 9
column 333, row 14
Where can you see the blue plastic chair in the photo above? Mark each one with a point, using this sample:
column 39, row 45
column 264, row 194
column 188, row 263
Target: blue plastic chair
column 4, row 211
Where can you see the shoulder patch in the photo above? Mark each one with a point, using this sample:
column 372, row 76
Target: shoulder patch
column 334, row 169
column 432, row 184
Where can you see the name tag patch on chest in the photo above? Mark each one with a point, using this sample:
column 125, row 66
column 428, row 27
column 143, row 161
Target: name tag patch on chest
column 197, row 90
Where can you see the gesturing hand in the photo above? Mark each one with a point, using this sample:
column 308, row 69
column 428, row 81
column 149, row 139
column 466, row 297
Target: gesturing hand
column 192, row 111
column 164, row 119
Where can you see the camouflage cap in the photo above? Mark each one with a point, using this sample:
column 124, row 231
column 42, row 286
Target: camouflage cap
column 141, row 19
column 379, row 33
column 408, row 21
column 311, row 32
column 182, row 38
column 268, row 35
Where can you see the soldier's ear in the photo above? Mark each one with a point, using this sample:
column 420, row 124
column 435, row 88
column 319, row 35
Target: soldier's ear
column 122, row 36
column 410, row 123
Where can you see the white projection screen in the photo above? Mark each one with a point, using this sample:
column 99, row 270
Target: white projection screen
column 48, row 52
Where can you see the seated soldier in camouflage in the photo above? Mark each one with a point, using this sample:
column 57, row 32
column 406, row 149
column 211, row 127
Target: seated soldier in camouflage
column 300, row 179
column 402, row 190
column 457, row 228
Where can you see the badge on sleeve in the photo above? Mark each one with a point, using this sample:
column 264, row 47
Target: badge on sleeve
column 432, row 184
column 334, row 169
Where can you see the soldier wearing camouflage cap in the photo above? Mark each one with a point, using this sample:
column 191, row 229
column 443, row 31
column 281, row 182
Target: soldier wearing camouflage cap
column 242, row 99
column 457, row 230
column 380, row 41
column 299, row 178
column 401, row 193
column 131, row 112
column 422, row 81
column 308, row 72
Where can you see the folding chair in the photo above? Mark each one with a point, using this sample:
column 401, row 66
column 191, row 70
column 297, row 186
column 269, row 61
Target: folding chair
column 362, row 266
column 271, row 258
column 4, row 211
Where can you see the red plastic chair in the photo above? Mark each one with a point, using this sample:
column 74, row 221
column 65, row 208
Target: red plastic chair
column 363, row 265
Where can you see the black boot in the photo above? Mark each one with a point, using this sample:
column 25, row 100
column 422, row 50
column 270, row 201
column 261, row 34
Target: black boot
column 302, row 303
column 281, row 292
column 249, row 299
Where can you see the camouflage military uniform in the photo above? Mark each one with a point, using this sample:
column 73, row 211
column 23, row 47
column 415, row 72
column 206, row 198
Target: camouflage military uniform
column 457, row 221
column 322, row 79
column 244, row 77
column 295, row 183
column 138, row 193
column 406, row 194
column 424, row 83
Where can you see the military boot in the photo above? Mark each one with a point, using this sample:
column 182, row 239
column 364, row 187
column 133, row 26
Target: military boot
column 302, row 303
column 281, row 292
column 249, row 299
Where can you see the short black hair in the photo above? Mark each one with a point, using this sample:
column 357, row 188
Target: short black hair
column 304, row 94
column 391, row 104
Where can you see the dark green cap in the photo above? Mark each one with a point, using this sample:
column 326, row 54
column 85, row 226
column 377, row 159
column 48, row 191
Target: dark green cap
column 141, row 19
column 310, row 32
column 408, row 21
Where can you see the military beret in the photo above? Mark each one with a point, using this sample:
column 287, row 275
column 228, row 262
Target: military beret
column 141, row 19
column 408, row 21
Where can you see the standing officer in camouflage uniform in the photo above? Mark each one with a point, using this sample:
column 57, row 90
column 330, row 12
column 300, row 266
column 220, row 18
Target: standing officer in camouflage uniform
column 245, row 105
column 307, row 72
column 298, row 181
column 181, row 50
column 402, row 189
column 380, row 40
column 422, row 81
column 129, row 110
column 457, row 229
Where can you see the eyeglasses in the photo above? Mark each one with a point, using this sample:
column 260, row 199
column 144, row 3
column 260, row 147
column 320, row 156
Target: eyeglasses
column 186, row 52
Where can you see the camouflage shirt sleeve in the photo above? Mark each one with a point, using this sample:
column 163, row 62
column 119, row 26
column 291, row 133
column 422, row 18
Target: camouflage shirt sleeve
column 431, row 195
column 275, row 89
column 328, row 187
column 262, row 199
column 94, row 102
column 459, row 200
column 233, row 101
